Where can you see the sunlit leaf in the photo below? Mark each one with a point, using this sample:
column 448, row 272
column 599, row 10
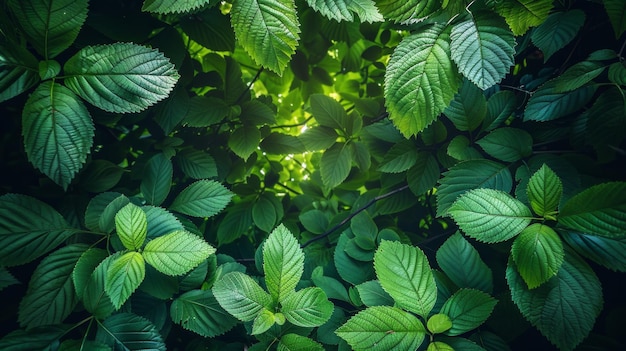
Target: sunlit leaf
column 95, row 299
column 203, row 198
column 283, row 262
column 244, row 140
column 131, row 226
column 308, row 307
column 521, row 15
column 408, row 11
column 241, row 296
column 507, row 144
column 548, row 104
column 578, row 75
column 399, row 158
column 544, row 191
column 176, row 253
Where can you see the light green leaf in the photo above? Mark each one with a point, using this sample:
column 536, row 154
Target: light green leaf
column 616, row 10
column 490, row 216
column 547, row 104
column 410, row 11
column 610, row 253
column 483, row 48
column 54, row 111
column 468, row 309
column 123, row 277
column 328, row 112
column 244, row 140
column 366, row 10
column 600, row 210
column 318, row 138
column 126, row 331
column 295, row 342
column 95, row 299
column 335, row 165
column 172, row 6
column 424, row 174
column 578, row 75
column 18, row 71
column 50, row 297
column 157, row 179
column 439, row 323
column 280, row 144
column 308, row 307
column 544, row 191
column 84, row 268
column 176, row 253
column 268, row 30
column 373, row 294
column 565, row 308
column 523, row 14
column 120, row 77
column 383, row 328
column 558, row 30
column 460, row 261
column 131, row 225
column 538, row 254
column 51, row 26
column 263, row 321
column 403, row 271
column 421, row 79
column 241, row 296
column 29, row 229
column 507, row 144
column 204, row 198
column 399, row 158
column 439, row 346
column 199, row 311
column 283, row 262
column 468, row 109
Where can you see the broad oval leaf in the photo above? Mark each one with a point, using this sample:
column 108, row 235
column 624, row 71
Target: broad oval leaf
column 460, row 261
column 280, row 143
column 319, row 138
column 558, row 30
column 410, row 11
column 263, row 321
column 172, row 6
column 490, row 216
column 97, row 206
column 500, row 106
column 372, row 294
column 467, row 309
column 203, row 198
column 308, row 307
column 56, row 112
column 95, row 299
column 199, row 311
column 176, row 253
column 610, row 253
column 616, row 10
column 420, row 80
column 547, row 104
column 578, row 75
column 424, row 174
column 544, row 191
column 438, row 323
column 197, row 164
column 120, row 77
column 244, row 140
column 328, row 112
column 241, row 296
column 18, row 71
column 403, row 271
column 335, row 165
column 283, row 262
column 123, row 277
column 127, row 331
column 160, row 222
column 84, row 268
column 295, row 342
column 521, row 15
column 507, row 144
column 131, row 224
column 209, row 28
column 538, row 254
column 157, row 179
column 399, row 158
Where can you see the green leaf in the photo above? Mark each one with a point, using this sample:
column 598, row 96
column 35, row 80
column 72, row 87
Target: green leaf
column 468, row 109
column 126, row 331
column 241, row 296
column 97, row 206
column 383, row 328
column 52, row 26
column 263, row 321
column 280, row 144
column 523, row 14
column 616, row 10
column 237, row 221
column 197, row 164
column 578, row 75
column 507, row 144
column 50, row 297
column 342, row 10
column 547, row 104
column 120, row 77
column 404, row 273
column 439, row 323
column 6, row 278
column 318, row 138
column 500, row 107
column 295, row 342
column 131, row 225
column 49, row 69
column 600, row 210
column 18, row 71
column 332, row 287
column 544, row 191
column 205, row 111
column 565, row 308
column 29, row 229
column 328, row 112
column 308, row 307
column 467, row 309
column 470, row 175
column 617, row 73
column 100, row 176
column 46, row 338
column 123, row 277
column 335, row 165
column 424, row 174
column 459, row 148
column 558, row 30
column 399, row 158
column 209, row 28
column 490, row 216
column 410, row 11
column 54, row 111
column 204, row 198
column 106, row 220
column 84, row 268
column 349, row 269
column 244, row 140
column 483, row 48
column 199, row 311
column 420, row 80
column 94, row 298
column 373, row 294
column 538, row 254
column 172, row 6
column 160, row 222
column 610, row 253
column 268, row 30
column 157, row 179
column 460, row 261
column 176, row 253
column 266, row 211
column 283, row 263
column 439, row 346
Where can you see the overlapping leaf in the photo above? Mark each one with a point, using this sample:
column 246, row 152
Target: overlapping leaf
column 461, row 262
column 408, row 11
column 283, row 262
column 123, row 277
column 244, row 140
column 94, row 298
column 172, row 6
column 127, row 331
column 203, row 198
column 538, row 254
column 308, row 307
column 241, row 296
column 199, row 311
column 18, row 71
column 507, row 144
column 469, row 107
column 197, row 164
column 335, row 165
column 467, row 309
column 342, row 10
column 558, row 30
column 521, row 15
column 157, row 179
column 616, row 10
column 295, row 342
column 578, row 75
column 176, row 253
column 544, row 191
column 610, row 253
column 548, row 104
column 132, row 226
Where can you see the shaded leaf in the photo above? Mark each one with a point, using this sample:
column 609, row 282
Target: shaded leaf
column 467, row 309
column 328, row 112
column 244, row 140
column 295, row 342
column 616, row 10
column 546, row 104
column 468, row 109
column 157, row 179
column 84, row 268
column 460, row 261
column 197, row 164
column 507, row 144
column 558, row 30
column 126, row 331
column 610, row 253
column 209, row 28
column 18, row 71
column 578, row 75
column 424, row 174
column 335, row 165
column 410, row 11
column 199, row 311
column 172, row 6
column 94, row 299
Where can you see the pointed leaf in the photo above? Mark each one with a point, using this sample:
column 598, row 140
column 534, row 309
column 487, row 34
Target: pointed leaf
column 97, row 206
column 157, row 179
column 342, row 10
column 123, row 277
column 319, row 138
column 197, row 164
column 244, row 140
column 544, row 191
column 500, row 106
column 204, row 198
column 373, row 294
column 84, row 268
column 424, row 174
column 335, row 165
column 578, row 75
column 610, row 253
column 468, row 109
column 546, row 104
column 507, row 144
column 120, row 77
column 263, row 321
column 126, row 331
column 538, row 254
column 280, row 144
column 467, row 309
column 308, row 307
column 160, row 222
column 399, row 158
column 46, row 338
column 521, row 15
column 172, row 6
column 295, row 342
column 199, row 311
column 18, row 71
column 132, row 226
column 6, row 278
column 439, row 323
column 616, row 10
column 241, row 296
column 410, row 11
column 94, row 298
column 176, row 253
column 461, row 262
column 328, row 112
column 558, row 30
column 209, row 28
column 283, row 262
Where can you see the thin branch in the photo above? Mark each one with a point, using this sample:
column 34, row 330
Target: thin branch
column 243, row 93
column 289, row 188
column 352, row 215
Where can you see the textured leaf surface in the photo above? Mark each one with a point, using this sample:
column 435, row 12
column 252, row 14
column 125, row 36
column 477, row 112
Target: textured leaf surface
column 408, row 11
column 467, row 309
column 578, row 75
column 611, row 253
column 383, row 328
column 335, row 165
column 404, row 273
column 244, row 140
column 439, row 323
column 55, row 112
column 283, row 262
column 342, row 10
column 328, row 112
column 157, row 179
column 616, row 10
column 120, row 77
column 132, row 226
column 521, row 15
column 172, row 6
column 499, row 107
column 483, row 49
column 241, row 296
column 36, row 339
column 461, row 262
column 95, row 299
column 468, row 109
column 84, row 267
column 507, row 144
column 197, row 164
column 424, row 174
column 295, row 342
column 268, row 30
column 203, row 198
column 177, row 253
column 544, row 191
column 123, row 277
column 548, row 104
column 538, row 254
column 399, row 158
column 199, row 311
column 558, row 30
column 126, row 331
column 29, row 229
column 420, row 80
column 489, row 215
column 18, row 71
column 308, row 307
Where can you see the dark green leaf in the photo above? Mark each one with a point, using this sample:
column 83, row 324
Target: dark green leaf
column 199, row 311
column 610, row 253
column 616, row 10
column 84, row 267
column 349, row 269
column 95, row 300
column 241, row 296
column 197, row 164
column 547, row 104
column 558, row 30
column 328, row 112
column 399, row 158
column 500, row 106
column 172, row 6
column 295, row 342
column 244, row 140
column 126, row 331
column 44, row 338
column 578, row 75
column 100, row 176
column 318, row 138
column 424, row 174
column 205, row 111
column 507, row 144
column 468, row 109
column 335, row 165
column 123, row 277
column 279, row 143
column 408, row 11
column 18, row 71
column 6, row 278
column 461, row 262
column 373, row 294
column 209, row 28
column 157, row 179
column 521, row 15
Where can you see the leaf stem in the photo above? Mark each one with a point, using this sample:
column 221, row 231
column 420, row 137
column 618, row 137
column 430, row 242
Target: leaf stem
column 243, row 93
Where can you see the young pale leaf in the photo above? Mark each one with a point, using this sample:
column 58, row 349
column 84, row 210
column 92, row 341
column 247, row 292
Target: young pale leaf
column 54, row 111
column 123, row 277
column 203, row 198
column 468, row 109
column 308, row 307
column 157, row 179
column 507, row 144
column 558, row 30
column 599, row 210
column 439, row 323
column 283, row 263
column 546, row 104
column 50, row 297
column 460, row 261
column 521, row 15
column 199, row 311
column 29, row 229
column 616, row 10
column 328, row 112
column 383, row 328
column 578, row 75
column 94, row 298
column 410, row 11
column 51, row 26
column 84, row 268
column 172, row 6
column 565, row 308
column 420, row 80
column 197, row 164
column 544, row 191
column 610, row 253
column 176, row 253
column 241, row 296
column 263, row 321
column 244, row 140
column 399, row 158
column 127, row 331
column 120, row 77
column 131, row 225
column 483, row 48
column 268, row 30
column 404, row 273
column 18, row 71
column 335, row 165
column 538, row 254
column 295, row 342
column 490, row 216
column 468, row 309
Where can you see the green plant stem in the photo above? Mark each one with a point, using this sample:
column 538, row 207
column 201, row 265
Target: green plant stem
column 243, row 93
